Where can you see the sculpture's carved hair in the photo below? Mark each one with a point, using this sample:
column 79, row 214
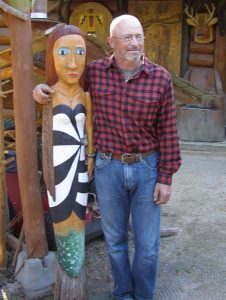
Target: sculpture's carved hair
column 59, row 31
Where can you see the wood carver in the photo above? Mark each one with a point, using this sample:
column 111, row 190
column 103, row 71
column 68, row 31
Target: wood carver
column 65, row 120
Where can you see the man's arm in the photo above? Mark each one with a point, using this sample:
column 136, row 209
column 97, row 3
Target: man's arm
column 42, row 93
column 169, row 150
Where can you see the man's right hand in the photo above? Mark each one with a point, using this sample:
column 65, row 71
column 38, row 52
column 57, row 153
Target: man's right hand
column 42, row 93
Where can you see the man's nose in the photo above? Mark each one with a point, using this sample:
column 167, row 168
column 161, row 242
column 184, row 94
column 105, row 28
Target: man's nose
column 134, row 40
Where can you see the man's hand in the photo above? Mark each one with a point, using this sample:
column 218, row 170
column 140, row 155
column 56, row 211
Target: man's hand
column 162, row 193
column 42, row 93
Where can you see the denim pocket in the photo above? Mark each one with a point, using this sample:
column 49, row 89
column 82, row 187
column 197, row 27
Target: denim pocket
column 151, row 161
column 101, row 163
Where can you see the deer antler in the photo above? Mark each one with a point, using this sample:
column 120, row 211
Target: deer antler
column 191, row 15
column 211, row 13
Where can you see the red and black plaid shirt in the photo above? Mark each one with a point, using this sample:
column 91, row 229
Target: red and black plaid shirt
column 137, row 115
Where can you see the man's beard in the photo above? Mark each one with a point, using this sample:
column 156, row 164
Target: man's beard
column 132, row 57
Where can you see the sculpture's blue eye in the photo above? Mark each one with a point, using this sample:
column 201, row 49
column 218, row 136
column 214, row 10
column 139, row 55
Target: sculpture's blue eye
column 79, row 51
column 63, row 51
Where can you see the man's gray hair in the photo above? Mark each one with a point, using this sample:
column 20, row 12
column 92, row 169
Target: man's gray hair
column 115, row 22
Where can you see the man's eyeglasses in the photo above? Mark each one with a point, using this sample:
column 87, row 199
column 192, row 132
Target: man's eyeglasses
column 129, row 37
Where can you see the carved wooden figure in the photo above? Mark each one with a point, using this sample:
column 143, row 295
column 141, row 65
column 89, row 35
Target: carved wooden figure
column 201, row 70
column 65, row 122
column 203, row 121
column 203, row 31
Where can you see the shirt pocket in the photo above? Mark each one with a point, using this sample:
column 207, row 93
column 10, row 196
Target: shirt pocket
column 142, row 108
column 103, row 97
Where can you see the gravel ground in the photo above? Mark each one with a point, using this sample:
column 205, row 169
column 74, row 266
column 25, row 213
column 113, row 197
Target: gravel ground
column 192, row 264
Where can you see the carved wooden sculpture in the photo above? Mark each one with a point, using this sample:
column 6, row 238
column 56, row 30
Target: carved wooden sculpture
column 202, row 49
column 202, row 121
column 203, row 24
column 65, row 170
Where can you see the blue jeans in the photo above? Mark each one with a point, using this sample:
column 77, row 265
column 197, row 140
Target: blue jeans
column 122, row 190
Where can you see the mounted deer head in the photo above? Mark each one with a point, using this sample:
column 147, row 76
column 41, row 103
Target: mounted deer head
column 203, row 24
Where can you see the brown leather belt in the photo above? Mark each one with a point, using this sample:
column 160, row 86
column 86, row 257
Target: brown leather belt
column 126, row 158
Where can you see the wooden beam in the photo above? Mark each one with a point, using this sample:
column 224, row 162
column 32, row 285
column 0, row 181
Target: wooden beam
column 4, row 40
column 26, row 143
column 6, row 73
column 2, row 24
column 2, row 190
column 38, row 45
column 12, row 11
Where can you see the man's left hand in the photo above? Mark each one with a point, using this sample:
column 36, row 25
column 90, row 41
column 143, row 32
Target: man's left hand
column 162, row 193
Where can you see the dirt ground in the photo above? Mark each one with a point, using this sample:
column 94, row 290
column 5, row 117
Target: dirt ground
column 192, row 263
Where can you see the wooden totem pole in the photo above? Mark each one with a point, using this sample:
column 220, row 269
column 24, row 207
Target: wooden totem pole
column 203, row 121
column 65, row 119
column 202, row 49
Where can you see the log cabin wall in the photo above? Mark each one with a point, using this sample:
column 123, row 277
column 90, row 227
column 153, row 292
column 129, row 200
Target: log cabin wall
column 220, row 51
column 162, row 24
column 216, row 50
column 220, row 48
column 167, row 34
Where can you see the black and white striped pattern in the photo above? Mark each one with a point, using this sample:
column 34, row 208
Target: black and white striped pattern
column 70, row 171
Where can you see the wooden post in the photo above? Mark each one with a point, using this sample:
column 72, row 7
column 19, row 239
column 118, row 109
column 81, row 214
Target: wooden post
column 26, row 143
column 2, row 190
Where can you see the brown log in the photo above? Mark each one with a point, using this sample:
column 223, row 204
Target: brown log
column 220, row 57
column 71, row 288
column 12, row 11
column 201, row 60
column 26, row 144
column 6, row 55
column 202, row 48
column 6, row 73
column 2, row 191
column 2, row 22
column 4, row 40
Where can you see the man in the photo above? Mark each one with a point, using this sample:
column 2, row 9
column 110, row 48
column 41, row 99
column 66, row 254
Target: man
column 137, row 153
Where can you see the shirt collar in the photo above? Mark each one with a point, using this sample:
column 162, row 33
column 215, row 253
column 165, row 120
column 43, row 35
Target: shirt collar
column 147, row 65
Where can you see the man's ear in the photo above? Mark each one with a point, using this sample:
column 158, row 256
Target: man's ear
column 110, row 42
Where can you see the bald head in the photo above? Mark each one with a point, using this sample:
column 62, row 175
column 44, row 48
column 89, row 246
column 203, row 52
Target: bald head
column 122, row 20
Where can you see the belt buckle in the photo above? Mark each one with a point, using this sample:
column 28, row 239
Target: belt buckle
column 130, row 158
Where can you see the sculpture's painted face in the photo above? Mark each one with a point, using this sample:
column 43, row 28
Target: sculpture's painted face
column 69, row 53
